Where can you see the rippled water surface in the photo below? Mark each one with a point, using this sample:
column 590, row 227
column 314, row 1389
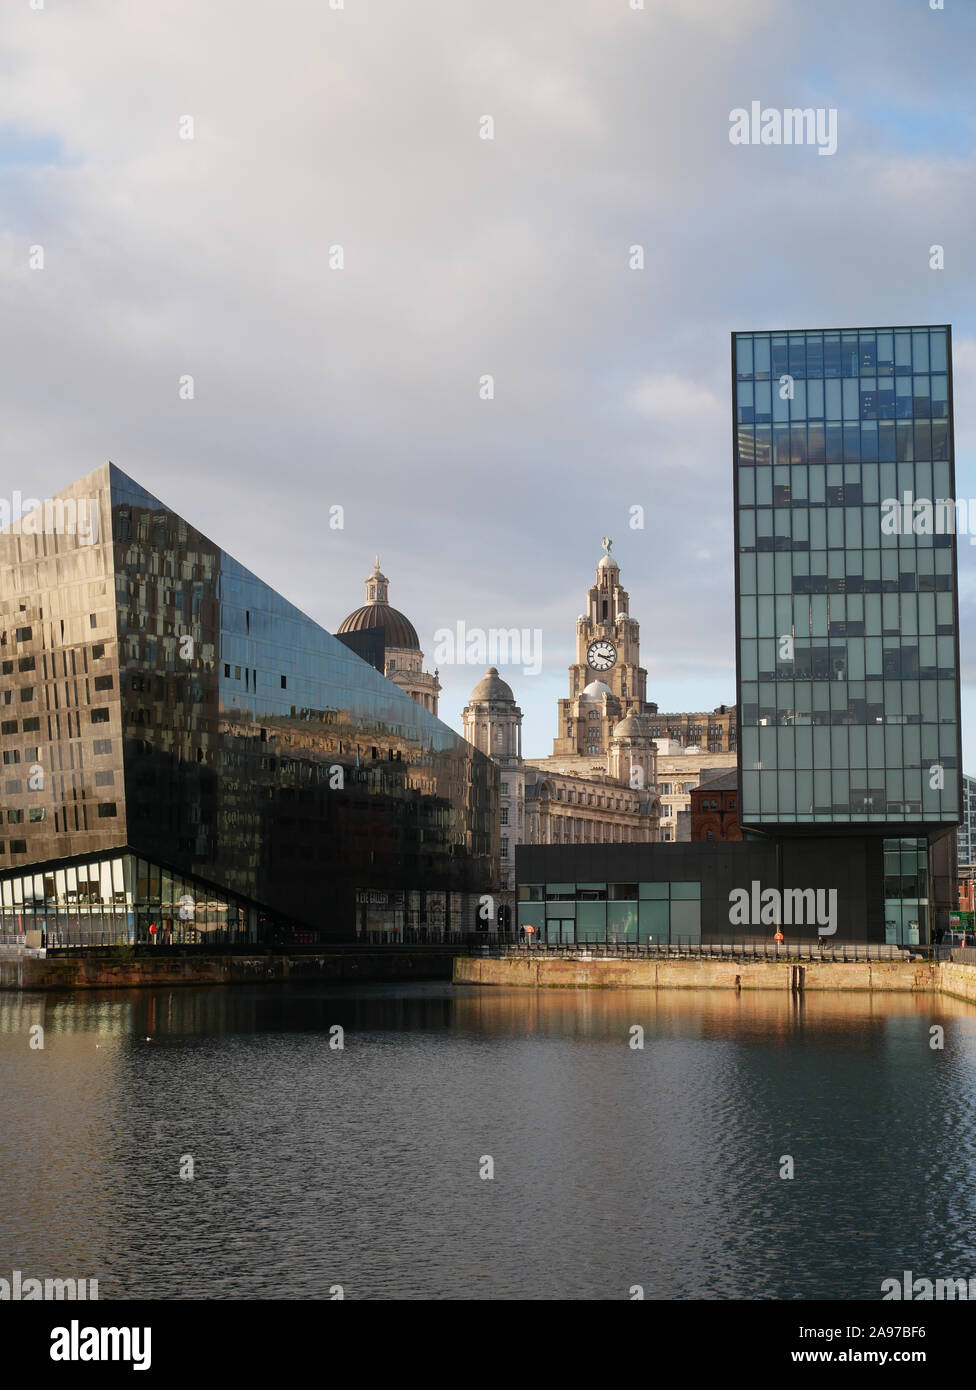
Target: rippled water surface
column 612, row 1166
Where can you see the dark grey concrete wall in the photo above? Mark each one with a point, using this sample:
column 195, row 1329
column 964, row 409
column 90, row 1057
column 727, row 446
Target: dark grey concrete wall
column 853, row 866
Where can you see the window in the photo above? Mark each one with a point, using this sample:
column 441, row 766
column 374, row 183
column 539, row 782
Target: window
column 227, row 668
column 8, row 726
column 26, row 694
column 101, row 746
column 504, row 808
column 18, row 846
column 237, row 673
column 284, row 683
column 15, row 817
column 92, row 620
column 504, row 789
column 504, row 846
column 37, row 813
column 99, row 716
column 23, row 634
column 11, row 756
column 32, row 726
column 26, row 663
column 106, row 810
column 98, row 650
column 103, row 682
column 104, row 779
column 8, row 667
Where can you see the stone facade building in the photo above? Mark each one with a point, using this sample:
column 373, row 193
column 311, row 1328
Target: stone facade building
column 715, row 732
column 607, row 681
column 680, row 771
column 492, row 721
column 608, row 800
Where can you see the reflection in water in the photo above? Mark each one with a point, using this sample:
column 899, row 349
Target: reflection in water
column 613, row 1166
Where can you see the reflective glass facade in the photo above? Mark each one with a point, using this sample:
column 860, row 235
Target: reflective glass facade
column 847, row 629
column 611, row 913
column 123, row 900
column 161, row 700
column 906, row 892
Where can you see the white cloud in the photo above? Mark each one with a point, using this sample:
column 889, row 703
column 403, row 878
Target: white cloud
column 359, row 387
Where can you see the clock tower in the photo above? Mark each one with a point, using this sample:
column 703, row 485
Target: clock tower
column 607, row 681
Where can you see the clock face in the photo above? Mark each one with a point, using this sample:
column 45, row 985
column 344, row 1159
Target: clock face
column 601, row 654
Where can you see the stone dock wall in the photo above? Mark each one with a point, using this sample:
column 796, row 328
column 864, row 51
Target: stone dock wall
column 100, row 972
column 915, row 977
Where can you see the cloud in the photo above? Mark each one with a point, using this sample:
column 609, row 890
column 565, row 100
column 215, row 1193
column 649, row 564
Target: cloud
column 463, row 257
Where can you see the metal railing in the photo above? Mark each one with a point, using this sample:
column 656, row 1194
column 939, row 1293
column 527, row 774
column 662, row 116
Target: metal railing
column 958, row 955
column 67, row 941
column 481, row 943
column 698, row 950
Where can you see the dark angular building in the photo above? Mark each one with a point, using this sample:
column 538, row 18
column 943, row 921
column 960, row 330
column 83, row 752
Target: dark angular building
column 189, row 758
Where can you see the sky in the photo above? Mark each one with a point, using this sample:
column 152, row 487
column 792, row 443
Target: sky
column 360, row 387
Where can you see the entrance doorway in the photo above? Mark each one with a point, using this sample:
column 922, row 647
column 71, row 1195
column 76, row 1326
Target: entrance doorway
column 560, row 931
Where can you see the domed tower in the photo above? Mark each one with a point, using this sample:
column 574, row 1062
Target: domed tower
column 607, row 654
column 632, row 755
column 595, row 711
column 403, row 661
column 492, row 721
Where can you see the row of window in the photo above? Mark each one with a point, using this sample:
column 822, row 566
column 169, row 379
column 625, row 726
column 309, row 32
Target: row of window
column 596, row 891
column 865, row 352
column 26, row 634
column 106, row 810
column 610, row 803
column 919, row 397
column 924, row 441
column 837, row 484
column 250, row 676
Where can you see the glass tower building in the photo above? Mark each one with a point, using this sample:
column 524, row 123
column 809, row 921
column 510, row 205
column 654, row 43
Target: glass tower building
column 846, row 591
column 188, row 758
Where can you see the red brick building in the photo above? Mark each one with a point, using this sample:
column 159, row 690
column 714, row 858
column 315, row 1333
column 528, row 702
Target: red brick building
column 715, row 808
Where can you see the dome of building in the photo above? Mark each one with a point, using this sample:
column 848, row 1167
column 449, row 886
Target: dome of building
column 595, row 691
column 631, row 726
column 491, row 687
column 607, row 562
column 398, row 631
